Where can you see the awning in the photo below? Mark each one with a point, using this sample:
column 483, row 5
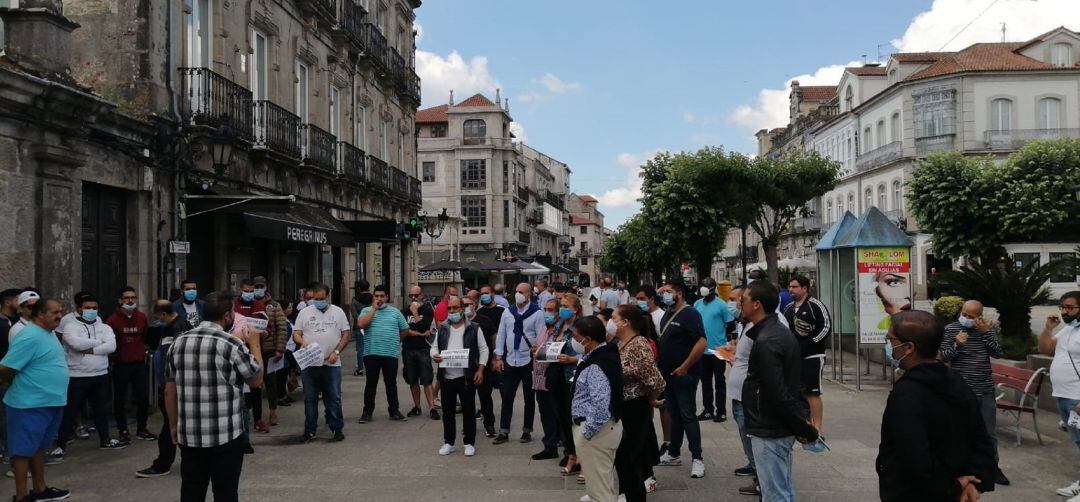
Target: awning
column 298, row 223
column 534, row 269
column 372, row 230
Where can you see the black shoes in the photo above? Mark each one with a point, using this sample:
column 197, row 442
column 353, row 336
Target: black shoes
column 546, row 455
column 526, row 437
column 248, row 450
column 49, row 494
column 152, row 472
column 1000, row 479
column 489, row 431
column 500, row 439
column 338, row 436
column 365, row 417
column 434, row 415
column 146, row 435
column 415, row 412
column 705, row 415
column 397, row 416
column 284, row 402
column 745, row 470
column 720, row 418
column 752, row 489
column 307, row 437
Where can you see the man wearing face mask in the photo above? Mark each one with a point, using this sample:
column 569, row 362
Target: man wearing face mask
column 489, row 315
column 384, row 327
column 88, row 341
column 715, row 316
column 129, row 368
column 326, row 325
column 459, row 384
column 968, row 345
column 934, row 446
column 517, row 334
column 189, row 305
column 1064, row 346
column 682, row 343
column 246, row 304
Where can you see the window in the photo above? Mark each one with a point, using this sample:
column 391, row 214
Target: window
column 474, row 210
column 1000, row 115
column 828, row 211
column 474, row 174
column 360, row 127
column 1061, row 55
column 867, row 141
column 584, row 246
column 894, row 125
column 934, row 113
column 898, row 195
column 849, row 148
column 883, row 197
column 438, row 131
column 584, row 229
column 1050, row 113
column 258, row 65
column 302, row 92
column 474, row 131
column 506, row 213
column 198, row 34
column 429, row 172
column 880, row 133
column 851, row 202
column 1064, row 275
column 335, row 111
column 849, row 99
column 506, row 176
column 384, row 141
column 868, row 198
column 572, row 240
column 584, row 261
column 839, row 207
column 1023, row 259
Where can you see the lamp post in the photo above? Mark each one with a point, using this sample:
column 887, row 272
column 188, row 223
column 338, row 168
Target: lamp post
column 222, row 147
column 434, row 227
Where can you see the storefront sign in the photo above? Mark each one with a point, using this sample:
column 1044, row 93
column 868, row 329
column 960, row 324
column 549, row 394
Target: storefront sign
column 884, row 289
column 307, row 235
column 179, row 247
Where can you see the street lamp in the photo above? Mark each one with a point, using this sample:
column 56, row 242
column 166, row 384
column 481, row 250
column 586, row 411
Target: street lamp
column 222, row 147
column 434, row 226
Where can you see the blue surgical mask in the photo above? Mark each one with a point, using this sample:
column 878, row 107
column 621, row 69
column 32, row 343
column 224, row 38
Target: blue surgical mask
column 965, row 322
column 190, row 294
column 89, row 315
column 247, row 296
column 565, row 313
column 669, row 298
column 643, row 305
column 1075, row 323
column 454, row 317
column 260, row 292
column 128, row 307
column 549, row 318
column 485, row 299
column 320, row 304
column 889, row 355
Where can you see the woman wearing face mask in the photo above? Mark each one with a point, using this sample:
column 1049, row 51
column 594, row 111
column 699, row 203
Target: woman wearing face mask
column 597, row 407
column 557, row 378
column 642, row 387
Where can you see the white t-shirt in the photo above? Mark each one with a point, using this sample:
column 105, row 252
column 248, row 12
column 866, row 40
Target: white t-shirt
column 657, row 315
column 323, row 328
column 456, row 341
column 1063, row 373
column 15, row 329
column 191, row 313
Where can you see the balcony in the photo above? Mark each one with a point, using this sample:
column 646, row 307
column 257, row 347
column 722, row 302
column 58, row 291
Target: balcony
column 535, row 215
column 319, row 148
column 524, row 236
column 415, row 194
column 879, row 156
column 412, row 86
column 375, row 45
column 395, row 68
column 378, row 173
column 1016, row 138
column 212, row 100
column 584, row 253
column 555, row 199
column 276, row 129
column 351, row 23
column 448, row 143
column 523, row 194
column 806, row 224
column 351, row 162
column 933, row 144
column 399, row 182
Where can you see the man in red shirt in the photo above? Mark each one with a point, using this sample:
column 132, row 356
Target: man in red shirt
column 129, row 365
column 248, row 304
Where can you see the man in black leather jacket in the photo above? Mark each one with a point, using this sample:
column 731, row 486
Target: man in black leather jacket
column 777, row 413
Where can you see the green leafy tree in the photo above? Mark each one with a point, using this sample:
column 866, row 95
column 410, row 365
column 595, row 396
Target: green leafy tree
column 1037, row 200
column 948, row 194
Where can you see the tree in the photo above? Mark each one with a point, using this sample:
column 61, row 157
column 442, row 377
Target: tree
column 775, row 191
column 1037, row 200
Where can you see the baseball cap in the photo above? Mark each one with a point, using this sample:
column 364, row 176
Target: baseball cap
column 259, row 280
column 26, row 296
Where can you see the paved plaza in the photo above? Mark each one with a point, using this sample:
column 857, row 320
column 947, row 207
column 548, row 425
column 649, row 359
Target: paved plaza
column 385, row 460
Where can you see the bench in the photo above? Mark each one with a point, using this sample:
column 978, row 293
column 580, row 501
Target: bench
column 1025, row 398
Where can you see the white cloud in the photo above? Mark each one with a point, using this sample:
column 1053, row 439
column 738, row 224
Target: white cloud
column 628, row 194
column 532, row 97
column 558, row 86
column 518, row 131
column 439, row 75
column 1024, row 19
column 770, row 109
column 419, row 32
column 700, row 120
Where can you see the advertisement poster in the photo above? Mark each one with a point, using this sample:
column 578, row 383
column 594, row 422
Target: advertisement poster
column 884, row 289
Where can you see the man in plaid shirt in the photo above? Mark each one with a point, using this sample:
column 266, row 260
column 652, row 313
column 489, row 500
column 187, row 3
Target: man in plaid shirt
column 205, row 373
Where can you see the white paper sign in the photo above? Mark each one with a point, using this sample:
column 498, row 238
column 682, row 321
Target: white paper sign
column 550, row 351
column 454, row 358
column 1074, row 419
column 257, row 324
column 275, row 364
column 310, row 355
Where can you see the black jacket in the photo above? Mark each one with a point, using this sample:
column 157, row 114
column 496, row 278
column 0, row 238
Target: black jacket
column 470, row 340
column 607, row 358
column 772, row 393
column 931, row 434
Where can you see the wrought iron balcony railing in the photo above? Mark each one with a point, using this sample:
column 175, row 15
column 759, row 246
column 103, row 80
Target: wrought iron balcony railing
column 399, row 182
column 351, row 162
column 1016, row 138
column 319, row 148
column 879, row 156
column 415, row 194
column 276, row 129
column 378, row 173
column 375, row 47
column 351, row 22
column 211, row 99
column 325, row 9
column 395, row 68
column 412, row 86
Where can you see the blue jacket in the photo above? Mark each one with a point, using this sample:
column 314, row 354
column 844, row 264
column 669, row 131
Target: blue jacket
column 178, row 307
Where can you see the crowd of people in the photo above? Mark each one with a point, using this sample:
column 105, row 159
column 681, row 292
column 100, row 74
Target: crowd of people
column 597, row 365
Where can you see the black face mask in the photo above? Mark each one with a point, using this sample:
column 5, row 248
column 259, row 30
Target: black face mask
column 1066, row 318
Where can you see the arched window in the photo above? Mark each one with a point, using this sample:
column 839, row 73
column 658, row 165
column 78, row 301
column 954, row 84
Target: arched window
column 1001, row 115
column 1061, row 55
column 851, row 202
column 849, row 99
column 880, row 133
column 474, row 131
column 1050, row 113
column 828, row 211
column 883, row 197
column 867, row 140
column 894, row 126
column 898, row 195
column 868, row 197
column 839, row 206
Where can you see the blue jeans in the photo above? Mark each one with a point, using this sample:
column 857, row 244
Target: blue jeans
column 1064, row 407
column 325, row 380
column 988, row 410
column 773, row 457
column 680, row 396
column 740, row 420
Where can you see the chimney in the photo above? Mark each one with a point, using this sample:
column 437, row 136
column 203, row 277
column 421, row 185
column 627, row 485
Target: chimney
column 507, row 107
column 37, row 36
column 498, row 96
column 451, row 97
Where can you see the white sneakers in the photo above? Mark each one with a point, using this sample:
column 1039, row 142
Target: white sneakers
column 447, row 449
column 697, row 469
column 668, row 460
column 1072, row 490
column 650, row 484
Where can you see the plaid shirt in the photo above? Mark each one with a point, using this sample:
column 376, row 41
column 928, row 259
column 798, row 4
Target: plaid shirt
column 209, row 367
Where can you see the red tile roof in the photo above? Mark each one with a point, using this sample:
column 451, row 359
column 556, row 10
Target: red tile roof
column 981, row 57
column 581, row 220
column 431, row 115
column 588, row 199
column 817, row 92
column 476, row 100
column 866, row 71
column 918, row 57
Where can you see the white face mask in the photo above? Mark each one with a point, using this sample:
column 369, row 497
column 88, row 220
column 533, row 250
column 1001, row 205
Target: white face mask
column 520, row 299
column 469, row 312
column 577, row 346
column 704, row 291
column 611, row 327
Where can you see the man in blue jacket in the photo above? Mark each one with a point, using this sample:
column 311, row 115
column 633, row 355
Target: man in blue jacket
column 189, row 306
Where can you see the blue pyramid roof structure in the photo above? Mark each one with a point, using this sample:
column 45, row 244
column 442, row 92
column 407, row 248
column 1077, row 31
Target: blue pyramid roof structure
column 873, row 229
column 828, row 240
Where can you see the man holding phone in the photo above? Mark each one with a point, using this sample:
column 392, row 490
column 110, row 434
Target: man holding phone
column 968, row 345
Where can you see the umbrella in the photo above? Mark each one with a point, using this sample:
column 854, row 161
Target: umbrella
column 445, row 266
column 497, row 266
column 534, row 269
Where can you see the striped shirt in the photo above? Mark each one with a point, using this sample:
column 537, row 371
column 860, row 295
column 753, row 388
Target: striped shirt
column 383, row 336
column 972, row 359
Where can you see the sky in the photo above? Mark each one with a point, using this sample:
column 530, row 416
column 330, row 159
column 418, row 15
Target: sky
column 605, row 84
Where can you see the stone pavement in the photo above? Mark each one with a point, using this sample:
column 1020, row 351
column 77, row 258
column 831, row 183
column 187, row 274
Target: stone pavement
column 386, row 460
